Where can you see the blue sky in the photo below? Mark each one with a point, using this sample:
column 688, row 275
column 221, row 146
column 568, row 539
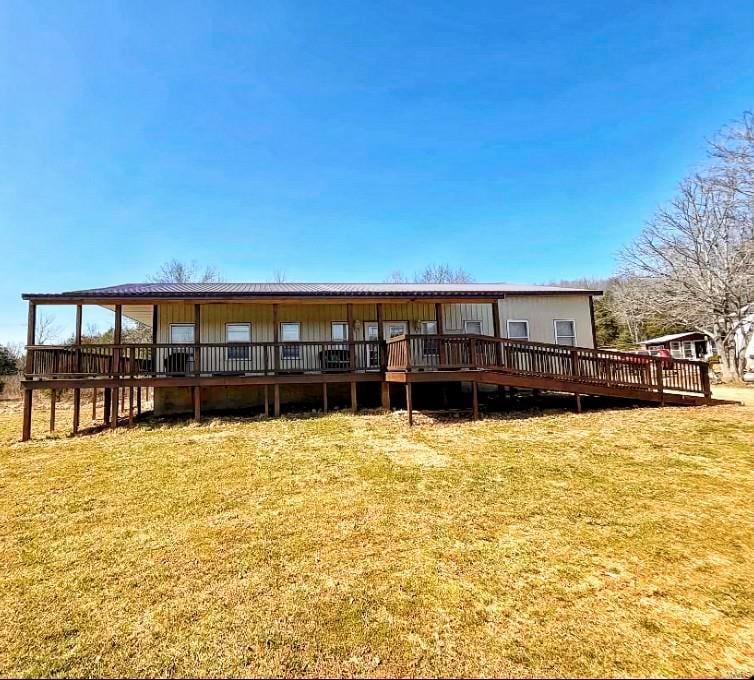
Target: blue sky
column 341, row 141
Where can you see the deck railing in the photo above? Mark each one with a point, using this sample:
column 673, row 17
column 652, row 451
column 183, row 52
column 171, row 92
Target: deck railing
column 173, row 359
column 579, row 364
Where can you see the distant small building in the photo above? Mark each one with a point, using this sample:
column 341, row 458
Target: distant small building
column 689, row 345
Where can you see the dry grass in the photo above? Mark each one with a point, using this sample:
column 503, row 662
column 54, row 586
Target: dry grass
column 608, row 543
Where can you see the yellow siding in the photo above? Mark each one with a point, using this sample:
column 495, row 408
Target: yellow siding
column 541, row 310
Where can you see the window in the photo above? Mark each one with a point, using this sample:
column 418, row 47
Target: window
column 339, row 330
column 182, row 333
column 290, row 332
column 518, row 329
column 565, row 332
column 682, row 350
column 472, row 327
column 430, row 345
column 396, row 329
column 238, row 332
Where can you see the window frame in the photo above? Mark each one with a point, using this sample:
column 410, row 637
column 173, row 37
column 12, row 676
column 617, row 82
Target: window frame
column 466, row 323
column 290, row 352
column 430, row 346
column 555, row 323
column 182, row 325
column 508, row 329
column 347, row 337
column 239, row 350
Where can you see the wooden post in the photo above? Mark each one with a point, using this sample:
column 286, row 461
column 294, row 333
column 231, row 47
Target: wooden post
column 76, row 409
column 107, row 405
column 381, row 336
column 474, row 400
column 276, row 399
column 94, row 403
column 594, row 324
column 266, row 401
column 31, row 333
column 26, row 429
column 409, row 405
column 130, row 405
column 155, row 335
column 706, row 387
column 578, row 403
column 197, row 403
column 324, row 397
column 351, row 337
column 77, row 390
column 354, row 402
column 138, row 400
column 276, row 338
column 440, row 322
column 114, row 407
column 497, row 332
column 197, row 338
column 660, row 380
column 385, row 387
column 53, row 400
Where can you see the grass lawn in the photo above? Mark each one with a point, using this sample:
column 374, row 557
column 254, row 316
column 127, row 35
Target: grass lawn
column 616, row 542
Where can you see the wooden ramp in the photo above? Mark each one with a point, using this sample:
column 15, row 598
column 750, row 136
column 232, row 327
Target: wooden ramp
column 547, row 367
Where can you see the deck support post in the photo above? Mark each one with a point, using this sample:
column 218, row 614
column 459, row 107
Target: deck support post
column 197, row 393
column 130, row 405
column 474, row 400
column 276, row 399
column 409, row 404
column 26, row 430
column 578, row 403
column 114, row 407
column 53, row 402
column 385, row 394
column 76, row 409
column 76, row 390
column 94, row 403
column 31, row 332
column 324, row 397
column 106, row 405
column 138, row 400
column 354, row 401
column 266, row 401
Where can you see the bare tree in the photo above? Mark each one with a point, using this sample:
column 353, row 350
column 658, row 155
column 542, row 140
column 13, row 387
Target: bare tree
column 695, row 264
column 434, row 273
column 732, row 153
column 279, row 276
column 46, row 330
column 176, row 271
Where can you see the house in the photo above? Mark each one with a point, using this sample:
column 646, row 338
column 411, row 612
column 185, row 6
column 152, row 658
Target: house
column 216, row 346
column 688, row 345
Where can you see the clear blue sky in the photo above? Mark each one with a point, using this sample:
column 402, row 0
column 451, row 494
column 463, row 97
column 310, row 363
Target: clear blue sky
column 342, row 140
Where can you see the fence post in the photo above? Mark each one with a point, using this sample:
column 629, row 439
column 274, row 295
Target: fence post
column 407, row 342
column 575, row 363
column 660, row 380
column 706, row 387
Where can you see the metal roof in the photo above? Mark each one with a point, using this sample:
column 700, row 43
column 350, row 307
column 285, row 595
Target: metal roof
column 212, row 290
column 669, row 338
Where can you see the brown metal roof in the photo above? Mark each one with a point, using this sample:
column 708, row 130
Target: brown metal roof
column 219, row 290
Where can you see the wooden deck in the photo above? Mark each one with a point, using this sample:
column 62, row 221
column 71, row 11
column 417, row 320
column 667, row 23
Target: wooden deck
column 405, row 359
